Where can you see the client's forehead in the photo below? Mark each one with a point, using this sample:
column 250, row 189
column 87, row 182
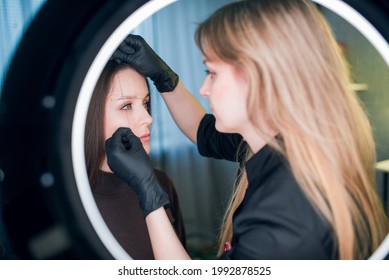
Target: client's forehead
column 128, row 84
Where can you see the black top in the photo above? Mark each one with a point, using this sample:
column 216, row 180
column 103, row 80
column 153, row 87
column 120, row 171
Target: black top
column 119, row 207
column 275, row 219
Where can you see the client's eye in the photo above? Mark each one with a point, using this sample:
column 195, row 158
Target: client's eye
column 146, row 104
column 127, row 106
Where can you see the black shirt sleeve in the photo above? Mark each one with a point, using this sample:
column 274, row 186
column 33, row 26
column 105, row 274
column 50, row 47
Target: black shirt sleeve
column 212, row 143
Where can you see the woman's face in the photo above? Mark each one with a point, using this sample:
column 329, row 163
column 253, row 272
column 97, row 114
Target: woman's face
column 226, row 87
column 127, row 105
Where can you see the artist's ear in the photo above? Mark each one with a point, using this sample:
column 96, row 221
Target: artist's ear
column 243, row 79
column 241, row 73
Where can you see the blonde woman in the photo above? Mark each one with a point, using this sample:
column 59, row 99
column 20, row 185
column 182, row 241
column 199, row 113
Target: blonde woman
column 280, row 95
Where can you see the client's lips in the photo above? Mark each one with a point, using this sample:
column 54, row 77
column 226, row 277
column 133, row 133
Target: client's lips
column 145, row 138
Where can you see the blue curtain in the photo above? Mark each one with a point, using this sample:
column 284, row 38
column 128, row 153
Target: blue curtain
column 15, row 17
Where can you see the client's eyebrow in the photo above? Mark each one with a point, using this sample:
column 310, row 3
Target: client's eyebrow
column 126, row 97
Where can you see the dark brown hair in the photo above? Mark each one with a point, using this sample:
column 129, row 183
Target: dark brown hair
column 94, row 127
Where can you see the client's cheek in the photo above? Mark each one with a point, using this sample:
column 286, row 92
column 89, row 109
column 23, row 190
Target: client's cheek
column 146, row 147
column 135, row 132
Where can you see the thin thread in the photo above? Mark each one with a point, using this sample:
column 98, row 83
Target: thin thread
column 121, row 92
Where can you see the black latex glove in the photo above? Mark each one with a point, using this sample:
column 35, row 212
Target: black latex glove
column 136, row 52
column 128, row 159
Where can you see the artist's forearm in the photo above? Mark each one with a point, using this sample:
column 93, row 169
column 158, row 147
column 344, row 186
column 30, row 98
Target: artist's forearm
column 186, row 111
column 165, row 243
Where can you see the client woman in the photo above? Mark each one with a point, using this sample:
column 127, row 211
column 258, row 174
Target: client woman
column 121, row 99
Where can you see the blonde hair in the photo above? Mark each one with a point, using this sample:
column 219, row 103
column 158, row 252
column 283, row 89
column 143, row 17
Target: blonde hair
column 300, row 80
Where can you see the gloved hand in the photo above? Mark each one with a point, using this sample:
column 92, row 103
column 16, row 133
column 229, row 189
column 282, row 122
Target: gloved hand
column 136, row 52
column 128, row 159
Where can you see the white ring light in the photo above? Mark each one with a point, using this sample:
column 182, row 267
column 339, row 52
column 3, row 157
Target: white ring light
column 360, row 23
column 79, row 120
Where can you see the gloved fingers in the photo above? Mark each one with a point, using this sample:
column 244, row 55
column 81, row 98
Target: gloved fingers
column 119, row 56
column 130, row 140
column 115, row 58
column 126, row 48
column 135, row 41
column 115, row 142
column 126, row 142
column 126, row 138
column 118, row 61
